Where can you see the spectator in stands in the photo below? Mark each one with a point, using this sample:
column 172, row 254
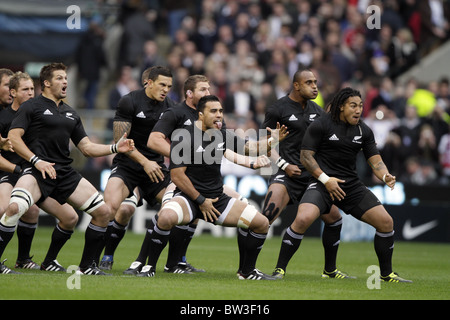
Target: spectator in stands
column 444, row 157
column 435, row 27
column 124, row 85
column 408, row 131
column 151, row 56
column 90, row 59
column 138, row 27
column 443, row 94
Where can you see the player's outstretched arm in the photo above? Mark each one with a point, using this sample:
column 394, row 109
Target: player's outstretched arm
column 91, row 149
column 265, row 145
column 245, row 161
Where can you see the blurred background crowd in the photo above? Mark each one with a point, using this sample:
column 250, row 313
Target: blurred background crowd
column 250, row 49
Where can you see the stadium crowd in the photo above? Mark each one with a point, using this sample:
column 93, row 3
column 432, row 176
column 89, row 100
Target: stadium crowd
column 250, row 50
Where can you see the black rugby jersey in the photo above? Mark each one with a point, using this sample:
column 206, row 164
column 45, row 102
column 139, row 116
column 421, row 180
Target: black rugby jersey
column 337, row 144
column 178, row 117
column 202, row 154
column 49, row 128
column 291, row 114
column 143, row 113
column 6, row 117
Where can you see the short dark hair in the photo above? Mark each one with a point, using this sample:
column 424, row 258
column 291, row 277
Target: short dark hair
column 47, row 71
column 296, row 77
column 338, row 100
column 204, row 100
column 156, row 71
column 191, row 82
column 5, row 72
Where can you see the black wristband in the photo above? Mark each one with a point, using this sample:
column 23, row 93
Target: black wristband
column 252, row 165
column 18, row 169
column 200, row 199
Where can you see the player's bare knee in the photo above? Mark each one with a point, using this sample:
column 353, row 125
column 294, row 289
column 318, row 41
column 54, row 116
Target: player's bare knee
column 385, row 224
column 167, row 219
column 124, row 214
column 260, row 224
column 101, row 215
column 333, row 216
column 304, row 218
column 126, row 209
column 69, row 222
column 32, row 214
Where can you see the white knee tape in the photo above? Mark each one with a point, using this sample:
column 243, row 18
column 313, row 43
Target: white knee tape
column 247, row 216
column 23, row 199
column 131, row 201
column 95, row 201
column 175, row 206
column 167, row 196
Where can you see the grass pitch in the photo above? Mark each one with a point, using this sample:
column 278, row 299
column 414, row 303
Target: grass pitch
column 427, row 264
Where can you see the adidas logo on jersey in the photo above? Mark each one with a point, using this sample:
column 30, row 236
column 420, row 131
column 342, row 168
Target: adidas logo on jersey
column 187, row 122
column 293, row 118
column 48, row 113
column 200, row 149
column 333, row 138
column 141, row 115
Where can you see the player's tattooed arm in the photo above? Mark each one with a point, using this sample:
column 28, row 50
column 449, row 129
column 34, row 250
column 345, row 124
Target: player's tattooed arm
column 381, row 171
column 152, row 168
column 331, row 183
column 119, row 128
column 310, row 163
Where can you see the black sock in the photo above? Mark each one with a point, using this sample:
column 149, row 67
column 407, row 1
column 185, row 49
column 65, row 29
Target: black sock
column 93, row 240
column 113, row 237
column 6, row 234
column 142, row 257
column 241, row 239
column 25, row 234
column 384, row 247
column 331, row 237
column 253, row 246
column 188, row 235
column 158, row 241
column 104, row 241
column 59, row 239
column 176, row 241
column 289, row 245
